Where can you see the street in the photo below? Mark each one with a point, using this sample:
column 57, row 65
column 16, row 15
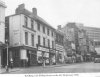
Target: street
column 68, row 68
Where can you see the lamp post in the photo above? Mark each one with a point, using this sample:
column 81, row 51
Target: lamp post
column 7, row 69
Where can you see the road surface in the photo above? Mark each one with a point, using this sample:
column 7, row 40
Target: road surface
column 68, row 68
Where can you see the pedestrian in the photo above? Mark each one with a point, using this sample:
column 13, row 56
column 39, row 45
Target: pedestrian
column 11, row 63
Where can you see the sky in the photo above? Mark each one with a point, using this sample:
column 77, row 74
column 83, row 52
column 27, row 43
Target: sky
column 60, row 12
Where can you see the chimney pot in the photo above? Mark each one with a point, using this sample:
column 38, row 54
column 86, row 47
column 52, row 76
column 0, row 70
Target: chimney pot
column 34, row 11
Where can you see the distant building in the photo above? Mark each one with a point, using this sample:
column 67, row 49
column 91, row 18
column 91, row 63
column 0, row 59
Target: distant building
column 31, row 38
column 83, row 42
column 78, row 38
column 94, row 36
column 2, row 29
column 71, row 33
column 59, row 44
column 93, row 33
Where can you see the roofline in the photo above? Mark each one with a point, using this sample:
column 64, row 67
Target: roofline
column 46, row 24
column 34, row 19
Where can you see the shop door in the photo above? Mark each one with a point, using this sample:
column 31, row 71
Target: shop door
column 32, row 58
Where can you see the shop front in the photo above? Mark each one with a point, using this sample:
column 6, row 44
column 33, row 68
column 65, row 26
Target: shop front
column 42, row 55
column 52, row 56
column 22, row 56
column 59, row 57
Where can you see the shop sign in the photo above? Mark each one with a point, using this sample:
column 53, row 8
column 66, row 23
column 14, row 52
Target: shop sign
column 51, row 50
column 39, row 53
column 43, row 49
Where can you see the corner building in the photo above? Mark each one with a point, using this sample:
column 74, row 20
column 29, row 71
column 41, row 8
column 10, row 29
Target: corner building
column 31, row 38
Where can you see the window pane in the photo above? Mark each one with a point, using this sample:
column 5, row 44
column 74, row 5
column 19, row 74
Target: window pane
column 26, row 38
column 47, row 31
column 39, row 39
column 43, row 29
column 48, row 43
column 38, row 26
column 26, row 20
column 43, row 41
column 32, row 24
column 32, row 37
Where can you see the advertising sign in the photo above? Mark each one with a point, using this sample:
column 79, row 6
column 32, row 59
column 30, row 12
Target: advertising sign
column 43, row 49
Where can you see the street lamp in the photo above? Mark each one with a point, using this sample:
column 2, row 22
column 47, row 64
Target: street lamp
column 7, row 69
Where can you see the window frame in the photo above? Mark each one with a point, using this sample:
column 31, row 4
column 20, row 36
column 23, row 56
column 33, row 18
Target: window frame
column 44, row 41
column 26, row 38
column 43, row 29
column 38, row 26
column 48, row 31
column 26, row 21
column 32, row 24
column 39, row 41
column 32, row 39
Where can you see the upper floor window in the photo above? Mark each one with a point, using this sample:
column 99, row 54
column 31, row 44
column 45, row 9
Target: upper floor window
column 26, row 38
column 43, row 41
column 59, row 39
column 32, row 39
column 52, row 33
column 32, row 24
column 48, row 43
column 43, row 29
column 26, row 21
column 39, row 39
column 38, row 26
column 48, row 32
column 52, row 44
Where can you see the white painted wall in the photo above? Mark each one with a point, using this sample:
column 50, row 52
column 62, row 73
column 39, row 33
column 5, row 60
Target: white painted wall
column 2, row 24
column 14, row 30
column 23, row 54
column 17, row 33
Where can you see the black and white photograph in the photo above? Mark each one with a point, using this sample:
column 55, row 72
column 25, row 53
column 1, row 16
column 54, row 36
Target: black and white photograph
column 49, row 36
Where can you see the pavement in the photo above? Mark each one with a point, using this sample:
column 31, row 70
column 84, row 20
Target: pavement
column 3, row 70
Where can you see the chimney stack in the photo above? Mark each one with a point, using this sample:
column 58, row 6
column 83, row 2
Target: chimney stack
column 34, row 11
column 20, row 8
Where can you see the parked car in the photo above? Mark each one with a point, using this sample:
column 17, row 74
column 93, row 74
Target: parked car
column 97, row 59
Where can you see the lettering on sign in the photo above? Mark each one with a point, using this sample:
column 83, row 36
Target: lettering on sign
column 43, row 49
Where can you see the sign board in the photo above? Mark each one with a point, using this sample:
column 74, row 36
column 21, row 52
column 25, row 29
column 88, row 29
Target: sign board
column 43, row 49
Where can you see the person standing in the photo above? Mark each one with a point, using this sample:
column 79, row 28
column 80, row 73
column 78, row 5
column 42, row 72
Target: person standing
column 11, row 63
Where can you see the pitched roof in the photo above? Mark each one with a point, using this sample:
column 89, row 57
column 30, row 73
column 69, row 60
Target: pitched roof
column 36, row 17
